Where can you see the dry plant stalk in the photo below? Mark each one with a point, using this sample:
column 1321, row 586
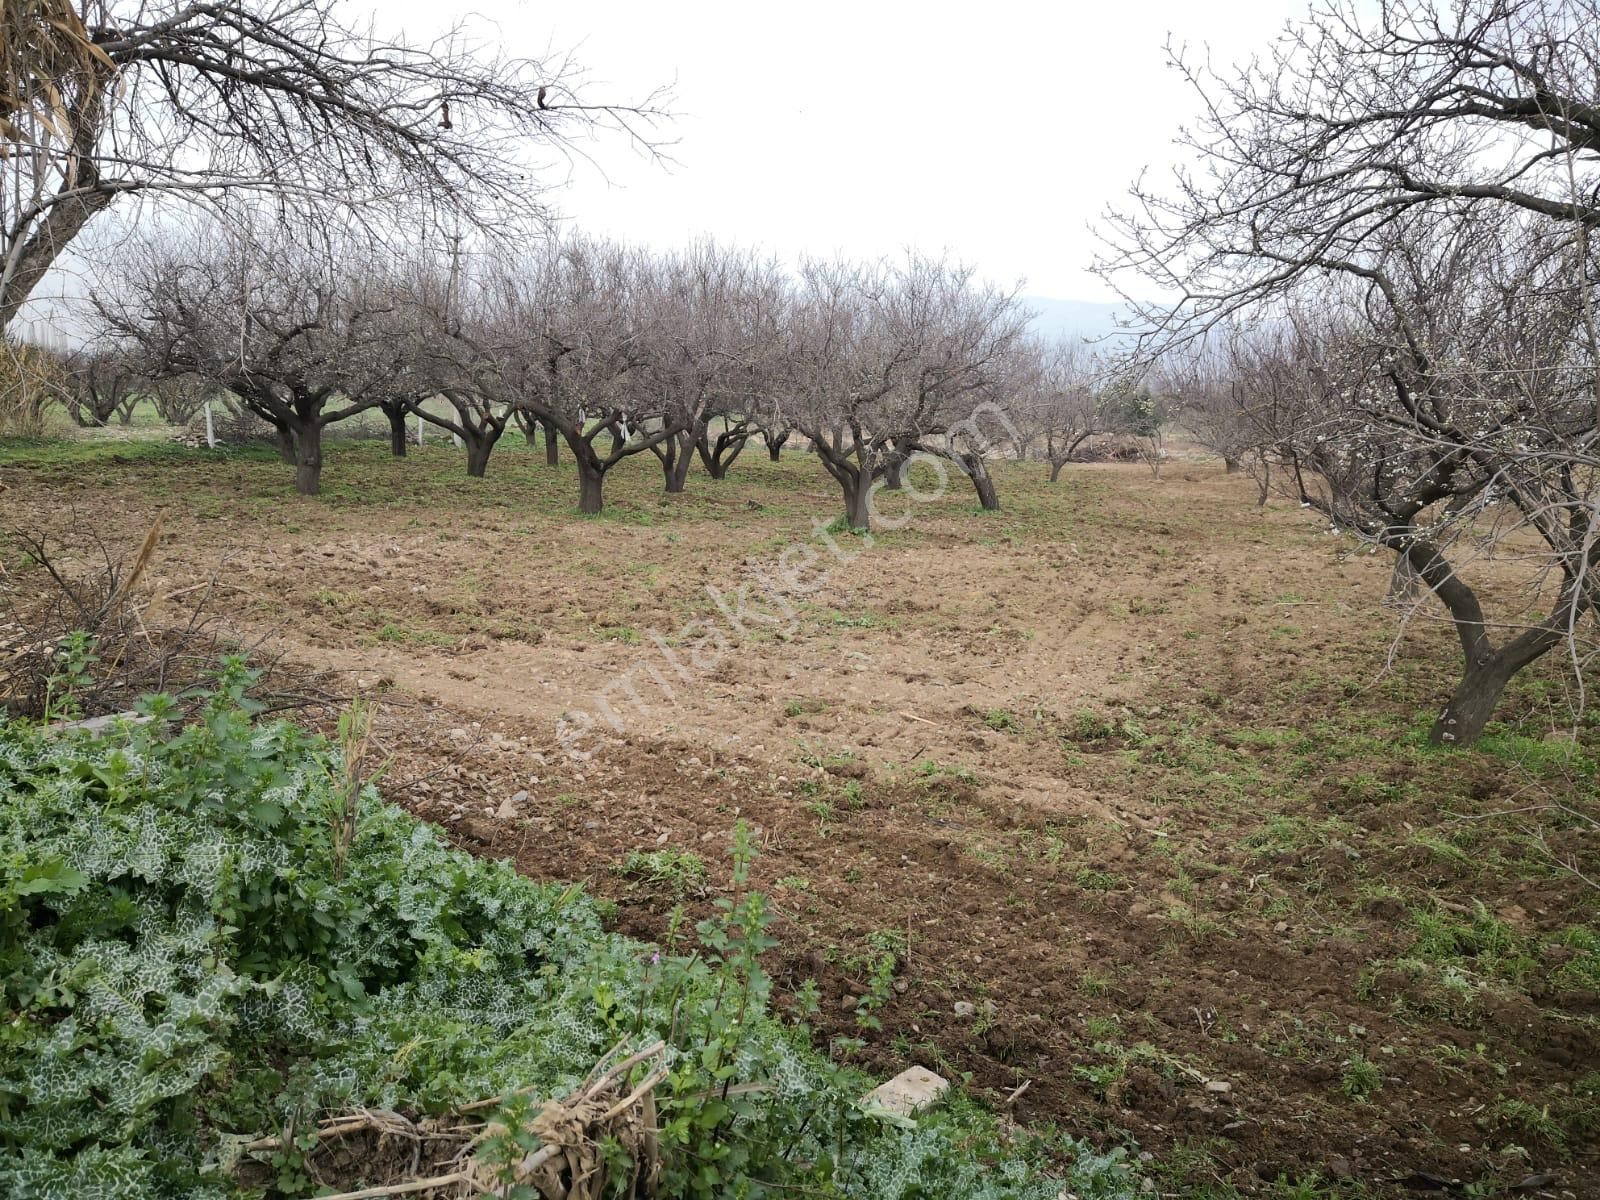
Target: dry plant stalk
column 569, row 1163
column 355, row 738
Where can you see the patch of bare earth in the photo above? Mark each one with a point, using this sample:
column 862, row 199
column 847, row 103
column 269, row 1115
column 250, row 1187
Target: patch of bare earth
column 1085, row 766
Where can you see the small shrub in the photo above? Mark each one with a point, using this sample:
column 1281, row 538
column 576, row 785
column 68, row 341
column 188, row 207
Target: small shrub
column 1001, row 721
column 682, row 872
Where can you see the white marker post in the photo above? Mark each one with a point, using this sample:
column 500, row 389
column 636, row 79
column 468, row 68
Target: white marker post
column 211, row 428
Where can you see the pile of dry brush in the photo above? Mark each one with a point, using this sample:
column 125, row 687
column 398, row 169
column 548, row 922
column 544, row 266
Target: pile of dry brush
column 466, row 1153
column 138, row 641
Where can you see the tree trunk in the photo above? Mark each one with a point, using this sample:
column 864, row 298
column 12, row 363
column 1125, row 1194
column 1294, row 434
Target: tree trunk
column 529, row 424
column 702, row 447
column 50, row 238
column 1474, row 701
column 720, row 456
column 775, row 450
column 894, row 476
column 397, row 429
column 858, row 501
column 983, row 482
column 1487, row 670
column 678, row 472
column 285, row 439
column 552, row 448
column 591, row 484
column 1230, row 466
column 308, row 459
column 1055, row 468
column 478, row 448
column 676, row 453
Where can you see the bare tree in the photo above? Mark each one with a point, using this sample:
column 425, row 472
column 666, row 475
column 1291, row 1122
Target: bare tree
column 884, row 359
column 276, row 97
column 102, row 384
column 532, row 426
column 271, row 318
column 1059, row 402
column 1421, row 179
column 1453, row 425
column 560, row 340
column 1207, row 404
column 179, row 398
column 774, row 436
column 706, row 319
column 441, row 330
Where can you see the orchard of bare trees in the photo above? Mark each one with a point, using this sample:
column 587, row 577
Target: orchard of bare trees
column 611, row 349
column 1159, row 734
column 1378, row 285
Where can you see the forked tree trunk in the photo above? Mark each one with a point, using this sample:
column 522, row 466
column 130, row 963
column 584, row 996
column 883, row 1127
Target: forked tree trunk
column 1473, row 703
column 675, row 454
column 529, row 424
column 775, row 444
column 308, row 459
column 678, row 472
column 1487, row 671
column 719, row 456
column 1057, row 461
column 894, row 476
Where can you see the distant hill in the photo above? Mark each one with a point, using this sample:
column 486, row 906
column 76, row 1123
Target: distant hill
column 1074, row 318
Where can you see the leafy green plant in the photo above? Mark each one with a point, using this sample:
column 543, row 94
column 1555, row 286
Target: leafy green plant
column 1002, row 721
column 75, row 659
column 218, row 930
column 682, row 872
column 1360, row 1077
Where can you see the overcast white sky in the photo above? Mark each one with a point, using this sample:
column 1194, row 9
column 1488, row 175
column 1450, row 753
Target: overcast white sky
column 996, row 129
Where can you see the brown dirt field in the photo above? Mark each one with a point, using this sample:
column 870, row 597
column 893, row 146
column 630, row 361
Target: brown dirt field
column 1119, row 767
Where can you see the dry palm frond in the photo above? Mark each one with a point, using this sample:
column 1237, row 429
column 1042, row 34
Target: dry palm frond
column 47, row 55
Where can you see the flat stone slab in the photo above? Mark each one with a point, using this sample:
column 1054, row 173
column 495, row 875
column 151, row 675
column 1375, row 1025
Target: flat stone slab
column 97, row 724
column 909, row 1092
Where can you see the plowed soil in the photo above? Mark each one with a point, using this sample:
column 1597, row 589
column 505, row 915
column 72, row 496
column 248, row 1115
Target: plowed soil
column 1129, row 778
